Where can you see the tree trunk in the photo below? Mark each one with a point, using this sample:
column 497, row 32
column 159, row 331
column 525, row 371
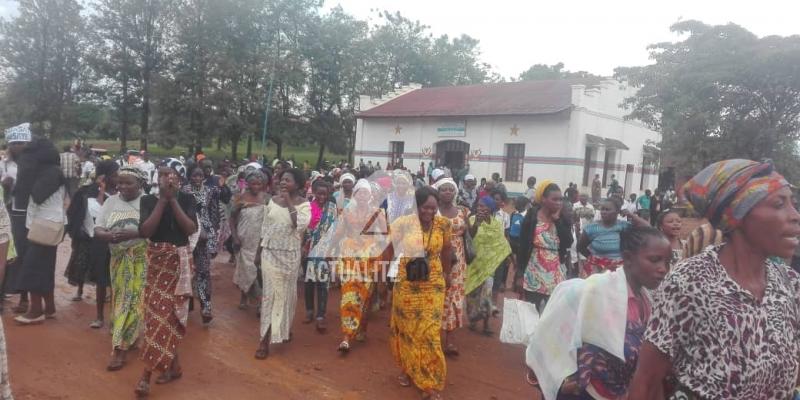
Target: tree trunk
column 219, row 143
column 234, row 147
column 320, row 154
column 249, row 146
column 279, row 149
column 123, row 139
column 145, row 124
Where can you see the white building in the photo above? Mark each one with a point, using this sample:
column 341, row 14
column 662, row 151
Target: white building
column 566, row 131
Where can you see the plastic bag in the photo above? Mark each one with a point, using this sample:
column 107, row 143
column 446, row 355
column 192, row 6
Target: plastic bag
column 519, row 321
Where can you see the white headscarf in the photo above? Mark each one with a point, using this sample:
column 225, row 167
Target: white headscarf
column 347, row 177
column 447, row 181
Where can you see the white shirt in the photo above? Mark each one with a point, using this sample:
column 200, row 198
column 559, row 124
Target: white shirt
column 87, row 168
column 504, row 218
column 148, row 168
column 51, row 209
column 630, row 206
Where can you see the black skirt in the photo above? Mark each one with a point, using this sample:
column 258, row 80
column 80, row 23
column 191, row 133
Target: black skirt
column 38, row 269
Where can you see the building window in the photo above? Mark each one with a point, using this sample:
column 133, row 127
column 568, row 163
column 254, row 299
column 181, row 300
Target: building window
column 515, row 161
column 607, row 165
column 648, row 167
column 396, row 153
column 587, row 165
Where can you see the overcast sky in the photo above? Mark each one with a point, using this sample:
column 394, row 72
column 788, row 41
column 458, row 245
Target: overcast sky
column 590, row 35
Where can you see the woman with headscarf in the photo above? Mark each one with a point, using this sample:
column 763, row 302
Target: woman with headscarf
column 247, row 216
column 359, row 235
column 599, row 241
column 118, row 224
column 545, row 239
column 415, row 331
column 453, row 317
column 726, row 323
column 207, row 200
column 345, row 192
column 166, row 220
column 40, row 182
column 286, row 219
column 400, row 200
column 491, row 250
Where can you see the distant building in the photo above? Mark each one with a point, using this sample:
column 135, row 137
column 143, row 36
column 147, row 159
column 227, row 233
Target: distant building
column 563, row 130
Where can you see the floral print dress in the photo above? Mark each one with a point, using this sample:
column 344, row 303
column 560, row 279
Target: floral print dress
column 545, row 270
column 454, row 296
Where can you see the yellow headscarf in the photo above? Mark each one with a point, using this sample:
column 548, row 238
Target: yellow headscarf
column 539, row 195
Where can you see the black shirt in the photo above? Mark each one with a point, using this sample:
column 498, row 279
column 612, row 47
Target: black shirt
column 168, row 229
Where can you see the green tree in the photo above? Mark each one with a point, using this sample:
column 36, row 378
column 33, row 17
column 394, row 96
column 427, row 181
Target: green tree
column 540, row 72
column 41, row 50
column 720, row 93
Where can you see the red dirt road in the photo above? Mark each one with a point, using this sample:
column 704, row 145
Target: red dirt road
column 65, row 359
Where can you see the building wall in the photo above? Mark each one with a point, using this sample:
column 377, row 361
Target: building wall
column 555, row 145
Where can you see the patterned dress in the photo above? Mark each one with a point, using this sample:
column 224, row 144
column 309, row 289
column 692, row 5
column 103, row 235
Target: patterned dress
column 248, row 227
column 280, row 267
column 208, row 218
column 724, row 343
column 545, row 270
column 415, row 333
column 128, row 271
column 359, row 266
column 454, row 297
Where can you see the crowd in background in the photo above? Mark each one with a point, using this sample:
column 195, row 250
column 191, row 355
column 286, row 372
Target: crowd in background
column 439, row 249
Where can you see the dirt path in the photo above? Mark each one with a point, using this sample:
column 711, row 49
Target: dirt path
column 65, row 359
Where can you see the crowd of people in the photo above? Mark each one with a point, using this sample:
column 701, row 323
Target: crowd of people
column 628, row 308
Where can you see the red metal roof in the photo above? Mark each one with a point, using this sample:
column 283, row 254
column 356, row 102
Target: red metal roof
column 514, row 98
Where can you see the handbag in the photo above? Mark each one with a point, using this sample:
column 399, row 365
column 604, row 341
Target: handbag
column 46, row 232
column 418, row 269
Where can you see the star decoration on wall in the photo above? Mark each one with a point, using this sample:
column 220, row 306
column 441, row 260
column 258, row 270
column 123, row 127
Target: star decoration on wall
column 397, row 129
column 514, row 130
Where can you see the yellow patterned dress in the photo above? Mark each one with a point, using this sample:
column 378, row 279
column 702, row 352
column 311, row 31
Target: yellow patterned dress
column 417, row 307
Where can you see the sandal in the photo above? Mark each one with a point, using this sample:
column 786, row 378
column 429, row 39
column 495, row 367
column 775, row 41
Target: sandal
column 432, row 395
column 344, row 347
column 404, row 380
column 23, row 320
column 262, row 353
column 487, row 332
column 531, row 378
column 21, row 308
column 50, row 316
column 321, row 326
column 361, row 336
column 77, row 298
column 96, row 324
column 451, row 350
column 115, row 365
column 169, row 376
column 142, row 389
column 207, row 317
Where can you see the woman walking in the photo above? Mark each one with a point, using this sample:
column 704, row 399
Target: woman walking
column 167, row 220
column 593, row 355
column 491, row 250
column 90, row 256
column 206, row 199
column 419, row 295
column 725, row 323
column 118, row 224
column 453, row 317
column 286, row 218
column 318, row 271
column 40, row 180
column 545, row 237
column 359, row 254
column 599, row 241
column 247, row 217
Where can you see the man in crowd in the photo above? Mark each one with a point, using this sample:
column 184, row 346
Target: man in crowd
column 71, row 167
